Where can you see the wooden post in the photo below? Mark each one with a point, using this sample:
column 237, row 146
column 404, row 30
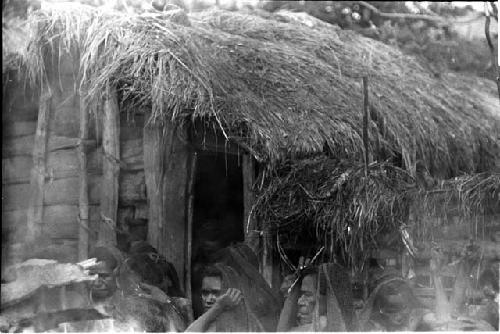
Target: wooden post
column 175, row 196
column 37, row 178
column 111, row 169
column 189, row 227
column 166, row 167
column 154, row 170
column 83, row 199
column 249, row 222
column 366, row 106
column 267, row 259
column 365, row 122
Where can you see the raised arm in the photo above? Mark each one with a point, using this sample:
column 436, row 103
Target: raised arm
column 289, row 312
column 228, row 300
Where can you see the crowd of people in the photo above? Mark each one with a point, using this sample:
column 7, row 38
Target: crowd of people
column 141, row 292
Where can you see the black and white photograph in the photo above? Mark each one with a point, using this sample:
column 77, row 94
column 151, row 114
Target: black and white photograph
column 250, row 166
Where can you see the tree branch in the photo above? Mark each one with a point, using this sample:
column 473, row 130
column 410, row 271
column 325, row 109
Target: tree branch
column 492, row 47
column 423, row 9
column 401, row 15
column 431, row 17
column 495, row 9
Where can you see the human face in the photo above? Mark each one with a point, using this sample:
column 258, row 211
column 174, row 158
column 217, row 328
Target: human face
column 398, row 317
column 395, row 310
column 210, row 289
column 307, row 300
column 105, row 284
column 488, row 291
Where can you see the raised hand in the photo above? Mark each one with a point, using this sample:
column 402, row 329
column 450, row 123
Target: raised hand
column 287, row 283
column 231, row 298
column 304, row 262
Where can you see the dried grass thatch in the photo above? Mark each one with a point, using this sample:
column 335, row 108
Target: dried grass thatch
column 281, row 85
column 468, row 197
column 337, row 203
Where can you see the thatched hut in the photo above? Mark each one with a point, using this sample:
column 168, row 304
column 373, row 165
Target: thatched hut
column 151, row 125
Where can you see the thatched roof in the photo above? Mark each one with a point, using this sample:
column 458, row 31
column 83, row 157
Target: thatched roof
column 338, row 204
column 280, row 85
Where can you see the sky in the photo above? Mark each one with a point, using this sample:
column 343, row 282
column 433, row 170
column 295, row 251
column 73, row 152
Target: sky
column 477, row 5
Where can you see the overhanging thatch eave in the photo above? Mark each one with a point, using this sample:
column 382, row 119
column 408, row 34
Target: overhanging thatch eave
column 289, row 88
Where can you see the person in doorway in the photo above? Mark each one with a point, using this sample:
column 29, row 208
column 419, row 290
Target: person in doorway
column 215, row 301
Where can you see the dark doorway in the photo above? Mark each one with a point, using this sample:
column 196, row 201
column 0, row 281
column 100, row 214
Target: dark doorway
column 218, row 210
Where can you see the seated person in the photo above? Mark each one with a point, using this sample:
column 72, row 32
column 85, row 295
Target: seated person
column 489, row 283
column 301, row 304
column 239, row 267
column 319, row 299
column 101, row 290
column 131, row 304
column 108, row 262
column 215, row 301
column 392, row 306
column 154, row 268
column 158, row 277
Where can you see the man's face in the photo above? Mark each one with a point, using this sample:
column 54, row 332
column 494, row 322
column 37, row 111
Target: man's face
column 105, row 285
column 210, row 290
column 307, row 300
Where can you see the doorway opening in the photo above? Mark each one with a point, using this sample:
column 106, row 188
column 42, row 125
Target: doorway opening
column 217, row 211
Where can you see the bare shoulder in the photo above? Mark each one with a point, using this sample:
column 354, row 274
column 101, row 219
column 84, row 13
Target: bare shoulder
column 212, row 327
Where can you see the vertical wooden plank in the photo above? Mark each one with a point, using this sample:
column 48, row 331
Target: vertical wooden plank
column 249, row 221
column 83, row 199
column 267, row 258
column 175, row 192
column 154, row 170
column 37, row 177
column 111, row 169
column 166, row 167
column 189, row 227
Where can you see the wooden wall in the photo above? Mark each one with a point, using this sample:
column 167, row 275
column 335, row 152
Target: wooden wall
column 132, row 201
column 19, row 115
column 60, row 222
column 60, row 195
